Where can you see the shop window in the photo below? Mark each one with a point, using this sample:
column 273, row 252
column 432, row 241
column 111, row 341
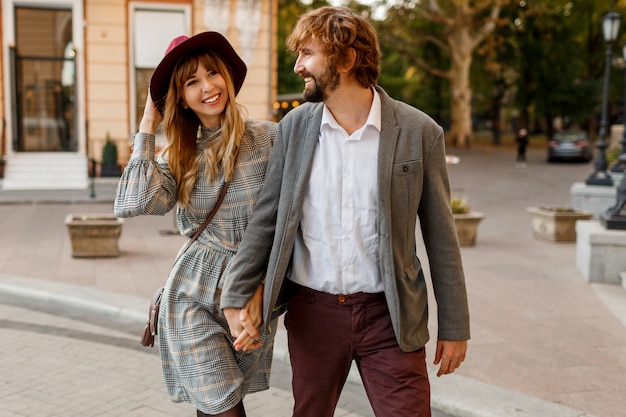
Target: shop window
column 44, row 71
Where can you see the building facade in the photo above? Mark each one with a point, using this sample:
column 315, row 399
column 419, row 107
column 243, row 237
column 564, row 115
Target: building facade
column 75, row 74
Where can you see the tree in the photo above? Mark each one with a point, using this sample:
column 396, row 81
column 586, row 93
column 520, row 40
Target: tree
column 456, row 28
column 401, row 75
column 464, row 24
column 555, row 50
column 550, row 64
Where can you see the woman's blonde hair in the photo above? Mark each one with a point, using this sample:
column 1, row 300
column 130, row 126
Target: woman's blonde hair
column 181, row 126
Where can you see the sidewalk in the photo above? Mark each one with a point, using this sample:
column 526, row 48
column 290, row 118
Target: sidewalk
column 544, row 342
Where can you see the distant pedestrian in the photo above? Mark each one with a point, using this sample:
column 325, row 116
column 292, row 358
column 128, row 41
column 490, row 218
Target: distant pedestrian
column 522, row 143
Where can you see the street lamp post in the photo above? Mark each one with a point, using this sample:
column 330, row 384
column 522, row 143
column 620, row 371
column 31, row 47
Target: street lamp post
column 610, row 29
column 615, row 216
column 621, row 162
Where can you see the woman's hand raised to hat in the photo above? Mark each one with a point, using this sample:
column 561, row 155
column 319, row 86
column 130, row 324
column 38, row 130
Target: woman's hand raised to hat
column 151, row 117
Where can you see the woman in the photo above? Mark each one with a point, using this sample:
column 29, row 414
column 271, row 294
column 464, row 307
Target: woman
column 209, row 142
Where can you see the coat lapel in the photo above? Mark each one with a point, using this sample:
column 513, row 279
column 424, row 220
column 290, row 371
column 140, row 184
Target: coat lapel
column 386, row 150
column 311, row 139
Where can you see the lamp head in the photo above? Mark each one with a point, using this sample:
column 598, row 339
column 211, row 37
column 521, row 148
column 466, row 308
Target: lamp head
column 610, row 26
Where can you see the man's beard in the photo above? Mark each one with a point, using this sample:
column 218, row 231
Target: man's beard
column 326, row 84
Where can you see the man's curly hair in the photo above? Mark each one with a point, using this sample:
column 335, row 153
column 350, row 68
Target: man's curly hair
column 337, row 29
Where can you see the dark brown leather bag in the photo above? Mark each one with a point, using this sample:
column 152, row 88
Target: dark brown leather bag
column 147, row 338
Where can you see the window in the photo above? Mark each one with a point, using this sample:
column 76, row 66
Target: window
column 153, row 30
column 44, row 65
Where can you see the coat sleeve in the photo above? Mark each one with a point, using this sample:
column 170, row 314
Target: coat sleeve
column 250, row 263
column 439, row 234
column 146, row 186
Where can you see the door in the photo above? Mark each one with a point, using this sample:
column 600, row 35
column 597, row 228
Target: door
column 44, row 90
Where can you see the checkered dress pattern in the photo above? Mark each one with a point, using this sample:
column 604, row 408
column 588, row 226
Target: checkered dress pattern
column 198, row 361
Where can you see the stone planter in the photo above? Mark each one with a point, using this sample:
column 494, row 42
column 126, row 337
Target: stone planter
column 467, row 227
column 94, row 235
column 556, row 224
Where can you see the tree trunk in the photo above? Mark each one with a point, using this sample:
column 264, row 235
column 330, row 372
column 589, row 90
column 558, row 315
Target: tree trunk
column 549, row 125
column 461, row 111
column 496, row 109
column 496, row 129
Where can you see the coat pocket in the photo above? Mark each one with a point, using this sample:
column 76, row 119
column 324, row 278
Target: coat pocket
column 405, row 168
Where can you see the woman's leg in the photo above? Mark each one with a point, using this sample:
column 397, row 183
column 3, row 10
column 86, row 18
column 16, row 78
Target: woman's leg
column 237, row 411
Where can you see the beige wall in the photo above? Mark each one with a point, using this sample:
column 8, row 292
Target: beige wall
column 3, row 135
column 107, row 70
column 255, row 94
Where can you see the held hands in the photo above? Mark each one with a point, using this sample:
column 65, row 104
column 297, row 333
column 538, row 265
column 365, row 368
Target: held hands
column 244, row 323
column 450, row 353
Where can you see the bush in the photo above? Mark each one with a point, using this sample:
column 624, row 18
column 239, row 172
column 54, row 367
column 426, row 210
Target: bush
column 612, row 156
column 109, row 153
column 459, row 206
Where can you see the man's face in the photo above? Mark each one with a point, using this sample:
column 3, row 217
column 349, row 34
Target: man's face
column 312, row 66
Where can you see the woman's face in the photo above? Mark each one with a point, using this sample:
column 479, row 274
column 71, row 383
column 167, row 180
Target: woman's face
column 205, row 92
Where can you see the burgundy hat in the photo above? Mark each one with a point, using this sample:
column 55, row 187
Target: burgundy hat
column 182, row 45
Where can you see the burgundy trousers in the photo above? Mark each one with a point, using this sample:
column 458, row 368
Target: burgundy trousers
column 326, row 332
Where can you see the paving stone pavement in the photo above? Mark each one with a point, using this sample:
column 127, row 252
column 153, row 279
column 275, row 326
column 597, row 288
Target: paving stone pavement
column 544, row 342
column 56, row 365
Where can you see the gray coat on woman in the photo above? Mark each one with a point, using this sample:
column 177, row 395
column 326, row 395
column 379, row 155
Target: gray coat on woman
column 412, row 183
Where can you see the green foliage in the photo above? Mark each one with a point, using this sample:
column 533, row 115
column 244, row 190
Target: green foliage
column 554, row 51
column 288, row 13
column 545, row 59
column 459, row 205
column 559, row 209
column 401, row 76
column 109, row 153
column 550, row 62
column 612, row 156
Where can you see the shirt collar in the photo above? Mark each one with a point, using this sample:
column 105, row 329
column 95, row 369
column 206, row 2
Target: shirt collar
column 373, row 118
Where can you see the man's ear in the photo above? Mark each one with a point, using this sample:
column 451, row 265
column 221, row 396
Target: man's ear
column 348, row 61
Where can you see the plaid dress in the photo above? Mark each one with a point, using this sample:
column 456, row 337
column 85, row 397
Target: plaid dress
column 199, row 364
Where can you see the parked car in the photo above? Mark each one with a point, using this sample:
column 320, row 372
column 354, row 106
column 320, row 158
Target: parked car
column 570, row 146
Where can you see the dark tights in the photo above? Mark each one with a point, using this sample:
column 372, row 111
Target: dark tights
column 237, row 411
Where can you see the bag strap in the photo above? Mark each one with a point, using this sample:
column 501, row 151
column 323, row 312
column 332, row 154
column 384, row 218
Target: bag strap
column 207, row 221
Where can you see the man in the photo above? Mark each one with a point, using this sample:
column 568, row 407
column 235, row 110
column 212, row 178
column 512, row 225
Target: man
column 351, row 172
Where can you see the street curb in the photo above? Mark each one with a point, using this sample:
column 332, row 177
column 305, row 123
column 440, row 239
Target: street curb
column 613, row 297
column 453, row 394
column 102, row 191
column 464, row 397
column 47, row 295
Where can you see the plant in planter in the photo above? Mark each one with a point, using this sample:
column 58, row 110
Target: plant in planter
column 556, row 223
column 109, row 166
column 465, row 220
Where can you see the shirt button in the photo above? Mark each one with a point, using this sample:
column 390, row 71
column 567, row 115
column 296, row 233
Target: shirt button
column 341, row 299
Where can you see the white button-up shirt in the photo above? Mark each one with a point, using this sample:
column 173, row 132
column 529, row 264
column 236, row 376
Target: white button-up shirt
column 336, row 249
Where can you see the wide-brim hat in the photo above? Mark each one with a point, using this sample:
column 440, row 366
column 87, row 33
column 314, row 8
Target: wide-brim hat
column 212, row 42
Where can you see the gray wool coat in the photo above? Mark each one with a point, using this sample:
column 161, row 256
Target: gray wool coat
column 413, row 185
